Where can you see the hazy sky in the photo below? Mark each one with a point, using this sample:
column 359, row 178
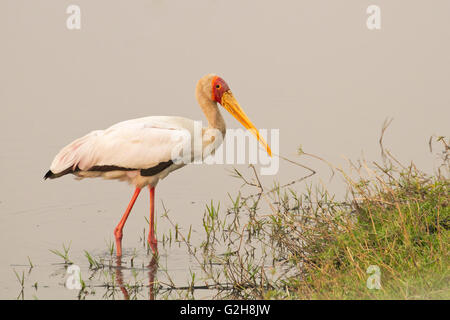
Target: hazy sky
column 311, row 69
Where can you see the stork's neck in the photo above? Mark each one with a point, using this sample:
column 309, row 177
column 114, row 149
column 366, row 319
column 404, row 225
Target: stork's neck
column 212, row 113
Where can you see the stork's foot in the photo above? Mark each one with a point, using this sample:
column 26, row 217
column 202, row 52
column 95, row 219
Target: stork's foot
column 118, row 236
column 153, row 245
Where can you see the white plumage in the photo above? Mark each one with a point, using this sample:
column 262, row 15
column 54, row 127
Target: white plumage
column 134, row 144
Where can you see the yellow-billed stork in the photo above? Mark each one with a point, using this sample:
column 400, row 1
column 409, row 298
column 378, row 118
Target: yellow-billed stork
column 141, row 151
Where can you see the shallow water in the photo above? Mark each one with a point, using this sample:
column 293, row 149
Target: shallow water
column 311, row 69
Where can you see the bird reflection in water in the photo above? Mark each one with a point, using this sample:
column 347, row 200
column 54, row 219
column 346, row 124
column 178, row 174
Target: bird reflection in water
column 152, row 268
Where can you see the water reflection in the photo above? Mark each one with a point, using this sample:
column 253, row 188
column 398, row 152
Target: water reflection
column 152, row 269
column 119, row 278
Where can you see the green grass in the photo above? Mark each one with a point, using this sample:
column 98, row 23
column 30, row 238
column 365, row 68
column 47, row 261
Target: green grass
column 64, row 254
column 403, row 231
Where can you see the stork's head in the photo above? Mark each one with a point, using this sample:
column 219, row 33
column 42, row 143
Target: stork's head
column 217, row 90
column 219, row 87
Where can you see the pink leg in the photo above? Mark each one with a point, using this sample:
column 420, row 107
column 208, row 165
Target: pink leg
column 118, row 229
column 151, row 235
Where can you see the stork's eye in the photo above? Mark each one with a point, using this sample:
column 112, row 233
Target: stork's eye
column 218, row 86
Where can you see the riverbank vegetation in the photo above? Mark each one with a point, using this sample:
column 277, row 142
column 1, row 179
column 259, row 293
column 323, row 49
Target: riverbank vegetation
column 387, row 240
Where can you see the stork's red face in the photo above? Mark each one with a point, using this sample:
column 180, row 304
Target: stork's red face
column 221, row 93
column 219, row 87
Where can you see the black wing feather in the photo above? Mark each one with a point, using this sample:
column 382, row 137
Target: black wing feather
column 144, row 172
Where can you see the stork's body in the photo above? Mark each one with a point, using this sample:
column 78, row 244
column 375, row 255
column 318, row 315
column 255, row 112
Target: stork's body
column 141, row 151
column 137, row 151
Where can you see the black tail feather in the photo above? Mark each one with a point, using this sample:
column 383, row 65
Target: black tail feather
column 49, row 174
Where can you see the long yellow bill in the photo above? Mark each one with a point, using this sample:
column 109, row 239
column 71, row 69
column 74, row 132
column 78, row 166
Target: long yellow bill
column 233, row 107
